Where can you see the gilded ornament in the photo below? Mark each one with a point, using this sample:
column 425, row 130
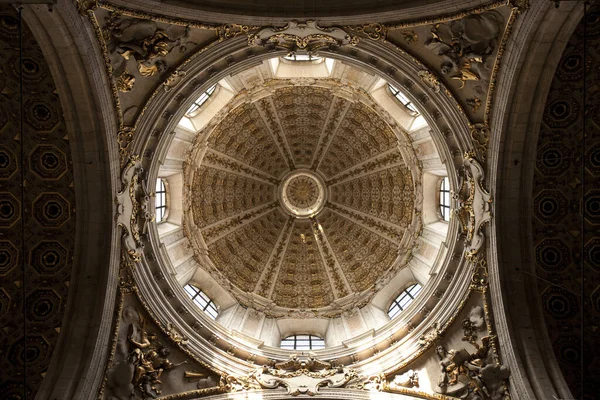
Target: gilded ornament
column 432, row 336
column 297, row 376
column 430, row 80
column 84, row 6
column 409, row 379
column 301, row 36
column 410, row 36
column 474, row 103
column 374, row 31
column 125, row 82
column 173, row 80
column 149, row 360
column 471, row 375
column 464, row 45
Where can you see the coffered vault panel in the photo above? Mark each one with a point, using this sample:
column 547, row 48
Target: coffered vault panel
column 361, row 135
column 33, row 296
column 302, row 281
column 557, row 209
column 302, row 113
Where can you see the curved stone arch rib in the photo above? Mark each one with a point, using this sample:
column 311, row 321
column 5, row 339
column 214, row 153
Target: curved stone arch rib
column 89, row 114
column 533, row 50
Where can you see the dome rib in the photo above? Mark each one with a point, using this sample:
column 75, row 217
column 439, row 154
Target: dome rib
column 268, row 113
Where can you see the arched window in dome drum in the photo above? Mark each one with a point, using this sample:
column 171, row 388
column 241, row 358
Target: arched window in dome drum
column 303, row 342
column 402, row 99
column 302, row 57
column 160, row 200
column 445, row 199
column 202, row 301
column 201, row 100
column 404, row 299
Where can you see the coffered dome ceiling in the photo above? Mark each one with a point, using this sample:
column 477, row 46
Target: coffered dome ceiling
column 299, row 200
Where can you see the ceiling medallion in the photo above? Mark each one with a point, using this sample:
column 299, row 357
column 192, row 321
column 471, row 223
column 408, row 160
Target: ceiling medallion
column 302, row 193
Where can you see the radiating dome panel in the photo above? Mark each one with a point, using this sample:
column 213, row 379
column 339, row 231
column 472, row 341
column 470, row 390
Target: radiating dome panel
column 242, row 254
column 385, row 194
column 302, row 112
column 361, row 135
column 221, row 194
column 302, row 281
column 362, row 254
column 244, row 136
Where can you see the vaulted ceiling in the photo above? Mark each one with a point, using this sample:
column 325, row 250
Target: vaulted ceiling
column 565, row 172
column 260, row 246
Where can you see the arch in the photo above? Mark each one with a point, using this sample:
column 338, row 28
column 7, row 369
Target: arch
column 77, row 366
column 534, row 50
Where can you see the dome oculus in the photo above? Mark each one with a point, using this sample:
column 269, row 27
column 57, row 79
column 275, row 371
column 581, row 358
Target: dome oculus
column 302, row 194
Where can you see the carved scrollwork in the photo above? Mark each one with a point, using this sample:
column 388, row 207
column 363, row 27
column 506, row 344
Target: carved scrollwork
column 474, row 208
column 299, row 36
column 125, row 82
column 141, row 40
column 173, row 80
column 432, row 336
column 480, row 133
column 149, row 359
column 298, row 376
column 409, row 379
column 374, row 31
column 124, row 138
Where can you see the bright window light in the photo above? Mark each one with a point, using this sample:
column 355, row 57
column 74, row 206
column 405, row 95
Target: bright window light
column 160, row 200
column 302, row 57
column 303, row 342
column 201, row 100
column 404, row 299
column 202, row 301
column 402, row 98
column 445, row 199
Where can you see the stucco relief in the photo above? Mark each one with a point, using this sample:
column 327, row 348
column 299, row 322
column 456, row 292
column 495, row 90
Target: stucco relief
column 383, row 140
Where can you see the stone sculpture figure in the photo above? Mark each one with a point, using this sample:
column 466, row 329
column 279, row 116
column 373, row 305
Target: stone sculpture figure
column 143, row 41
column 471, row 376
column 149, row 361
column 465, row 45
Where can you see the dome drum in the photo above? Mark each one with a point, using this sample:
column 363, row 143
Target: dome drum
column 268, row 220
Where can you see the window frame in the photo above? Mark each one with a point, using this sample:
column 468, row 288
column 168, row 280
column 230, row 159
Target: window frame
column 163, row 205
column 405, row 101
column 444, row 210
column 397, row 301
column 312, row 58
column 209, row 308
column 201, row 101
column 319, row 342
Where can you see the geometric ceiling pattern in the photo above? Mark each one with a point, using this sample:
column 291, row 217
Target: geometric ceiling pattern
column 37, row 220
column 255, row 243
column 561, row 246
